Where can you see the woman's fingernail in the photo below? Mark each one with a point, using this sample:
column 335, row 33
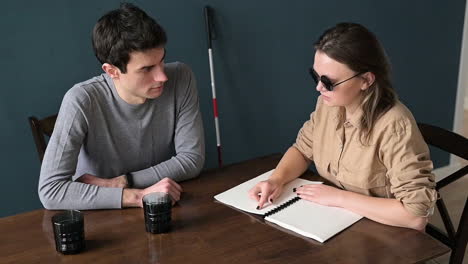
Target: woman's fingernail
column 294, row 189
column 258, row 207
column 271, row 200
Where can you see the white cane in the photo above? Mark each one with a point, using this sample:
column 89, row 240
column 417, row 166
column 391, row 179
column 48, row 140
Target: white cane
column 209, row 30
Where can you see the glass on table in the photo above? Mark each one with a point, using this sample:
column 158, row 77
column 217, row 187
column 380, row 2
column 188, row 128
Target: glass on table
column 157, row 208
column 69, row 231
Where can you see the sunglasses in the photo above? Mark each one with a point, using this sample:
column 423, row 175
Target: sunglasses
column 325, row 81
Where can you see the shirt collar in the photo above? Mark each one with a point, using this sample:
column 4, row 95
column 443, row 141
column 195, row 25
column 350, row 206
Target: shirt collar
column 355, row 120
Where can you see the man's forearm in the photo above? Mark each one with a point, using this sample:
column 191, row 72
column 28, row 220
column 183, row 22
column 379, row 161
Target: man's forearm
column 116, row 182
column 131, row 197
column 58, row 195
column 178, row 168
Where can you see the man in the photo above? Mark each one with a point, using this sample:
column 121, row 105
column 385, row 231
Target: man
column 133, row 130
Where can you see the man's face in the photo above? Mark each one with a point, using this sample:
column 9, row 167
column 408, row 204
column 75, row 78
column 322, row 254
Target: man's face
column 145, row 76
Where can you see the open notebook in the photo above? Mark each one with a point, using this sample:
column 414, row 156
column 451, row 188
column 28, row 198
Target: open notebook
column 303, row 217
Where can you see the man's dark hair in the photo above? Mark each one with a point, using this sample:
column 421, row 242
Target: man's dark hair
column 122, row 31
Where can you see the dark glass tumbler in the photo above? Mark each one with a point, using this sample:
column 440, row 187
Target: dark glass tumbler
column 69, row 232
column 157, row 208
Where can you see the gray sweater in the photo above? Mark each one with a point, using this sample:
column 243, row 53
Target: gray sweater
column 99, row 133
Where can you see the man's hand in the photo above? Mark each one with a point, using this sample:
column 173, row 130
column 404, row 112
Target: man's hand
column 132, row 197
column 116, row 182
column 165, row 185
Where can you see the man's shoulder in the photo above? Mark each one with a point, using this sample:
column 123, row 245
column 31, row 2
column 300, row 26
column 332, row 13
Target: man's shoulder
column 84, row 91
column 177, row 66
column 181, row 79
column 179, row 71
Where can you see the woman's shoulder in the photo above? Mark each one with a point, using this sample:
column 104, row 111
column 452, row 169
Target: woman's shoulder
column 397, row 119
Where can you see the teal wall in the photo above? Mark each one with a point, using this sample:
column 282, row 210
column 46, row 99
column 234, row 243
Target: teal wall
column 261, row 57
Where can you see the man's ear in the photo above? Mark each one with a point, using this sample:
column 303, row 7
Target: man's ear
column 369, row 79
column 110, row 69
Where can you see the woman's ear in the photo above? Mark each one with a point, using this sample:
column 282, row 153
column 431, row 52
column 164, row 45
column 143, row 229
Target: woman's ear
column 110, row 69
column 369, row 79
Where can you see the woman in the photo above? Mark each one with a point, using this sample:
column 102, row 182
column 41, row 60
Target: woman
column 360, row 137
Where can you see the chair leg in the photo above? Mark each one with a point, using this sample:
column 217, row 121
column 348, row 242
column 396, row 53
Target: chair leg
column 446, row 219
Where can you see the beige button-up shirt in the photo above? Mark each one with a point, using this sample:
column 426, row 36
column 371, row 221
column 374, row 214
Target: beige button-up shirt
column 394, row 164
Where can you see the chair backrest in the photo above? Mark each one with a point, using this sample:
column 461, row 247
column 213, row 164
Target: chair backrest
column 40, row 129
column 458, row 145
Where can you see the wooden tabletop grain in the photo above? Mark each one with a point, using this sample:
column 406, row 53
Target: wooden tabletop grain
column 205, row 231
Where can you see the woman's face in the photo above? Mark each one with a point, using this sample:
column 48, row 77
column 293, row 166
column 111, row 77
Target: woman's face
column 345, row 94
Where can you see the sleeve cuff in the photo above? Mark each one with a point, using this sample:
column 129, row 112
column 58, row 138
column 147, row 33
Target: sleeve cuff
column 422, row 209
column 110, row 198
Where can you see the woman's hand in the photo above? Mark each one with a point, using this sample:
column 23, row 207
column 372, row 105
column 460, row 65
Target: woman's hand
column 265, row 191
column 321, row 194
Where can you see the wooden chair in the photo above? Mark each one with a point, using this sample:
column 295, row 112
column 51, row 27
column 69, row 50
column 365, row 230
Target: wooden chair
column 457, row 145
column 40, row 129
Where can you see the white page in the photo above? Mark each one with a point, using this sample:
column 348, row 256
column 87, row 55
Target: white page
column 238, row 196
column 313, row 220
column 303, row 217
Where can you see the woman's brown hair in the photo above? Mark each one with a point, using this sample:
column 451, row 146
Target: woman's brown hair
column 354, row 45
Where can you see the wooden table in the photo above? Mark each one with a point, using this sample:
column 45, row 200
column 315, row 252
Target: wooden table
column 205, row 231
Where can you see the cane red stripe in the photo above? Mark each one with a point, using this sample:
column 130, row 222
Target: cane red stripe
column 215, row 107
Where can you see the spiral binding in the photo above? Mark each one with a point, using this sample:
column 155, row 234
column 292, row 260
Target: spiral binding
column 281, row 207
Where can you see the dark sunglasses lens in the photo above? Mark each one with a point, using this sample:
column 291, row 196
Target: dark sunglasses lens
column 326, row 83
column 314, row 75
